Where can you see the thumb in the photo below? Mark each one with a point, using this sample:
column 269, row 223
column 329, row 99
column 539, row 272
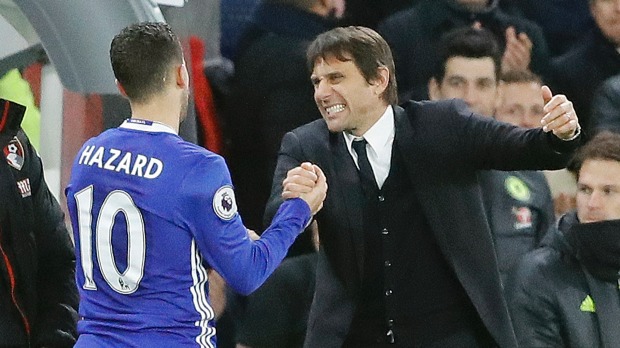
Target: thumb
column 546, row 94
column 321, row 176
column 307, row 166
column 511, row 33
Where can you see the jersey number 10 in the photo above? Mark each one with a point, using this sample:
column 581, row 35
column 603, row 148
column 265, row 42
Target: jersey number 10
column 116, row 202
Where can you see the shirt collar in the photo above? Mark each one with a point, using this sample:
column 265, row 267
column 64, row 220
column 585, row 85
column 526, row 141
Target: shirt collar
column 379, row 134
column 147, row 126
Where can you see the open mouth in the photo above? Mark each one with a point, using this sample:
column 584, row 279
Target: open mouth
column 334, row 109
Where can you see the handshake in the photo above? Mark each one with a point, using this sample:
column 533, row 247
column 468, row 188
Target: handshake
column 307, row 182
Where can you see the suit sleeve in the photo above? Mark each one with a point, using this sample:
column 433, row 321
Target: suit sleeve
column 289, row 157
column 488, row 144
column 223, row 240
column 58, row 297
column 532, row 306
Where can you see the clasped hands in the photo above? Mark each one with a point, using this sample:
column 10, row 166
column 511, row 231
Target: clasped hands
column 307, row 182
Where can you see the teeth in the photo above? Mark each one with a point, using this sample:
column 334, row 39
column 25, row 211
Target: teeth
column 335, row 108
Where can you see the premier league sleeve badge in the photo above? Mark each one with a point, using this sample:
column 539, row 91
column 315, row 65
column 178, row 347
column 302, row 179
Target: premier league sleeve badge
column 224, row 203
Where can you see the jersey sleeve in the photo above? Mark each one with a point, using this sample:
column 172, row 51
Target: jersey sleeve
column 209, row 210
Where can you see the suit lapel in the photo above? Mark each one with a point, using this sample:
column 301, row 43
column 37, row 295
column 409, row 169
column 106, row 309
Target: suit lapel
column 350, row 195
column 405, row 141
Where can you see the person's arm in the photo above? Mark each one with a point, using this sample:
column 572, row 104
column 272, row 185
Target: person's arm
column 56, row 287
column 540, row 56
column 518, row 52
column 484, row 143
column 221, row 236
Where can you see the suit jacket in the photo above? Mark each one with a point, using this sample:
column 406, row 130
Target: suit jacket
column 443, row 145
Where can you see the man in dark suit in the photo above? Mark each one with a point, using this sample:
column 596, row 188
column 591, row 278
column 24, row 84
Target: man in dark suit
column 406, row 256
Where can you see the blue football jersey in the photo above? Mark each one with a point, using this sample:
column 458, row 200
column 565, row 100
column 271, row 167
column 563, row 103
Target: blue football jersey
column 150, row 214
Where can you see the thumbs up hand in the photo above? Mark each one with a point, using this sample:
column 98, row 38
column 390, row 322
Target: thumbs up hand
column 560, row 117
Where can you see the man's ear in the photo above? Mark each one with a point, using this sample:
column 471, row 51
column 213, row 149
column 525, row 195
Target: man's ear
column 120, row 88
column 182, row 76
column 434, row 92
column 382, row 80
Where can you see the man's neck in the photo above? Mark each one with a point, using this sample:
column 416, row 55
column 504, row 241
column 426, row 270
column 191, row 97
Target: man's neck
column 162, row 112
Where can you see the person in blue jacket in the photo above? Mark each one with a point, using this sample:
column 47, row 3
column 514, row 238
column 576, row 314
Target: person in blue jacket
column 151, row 213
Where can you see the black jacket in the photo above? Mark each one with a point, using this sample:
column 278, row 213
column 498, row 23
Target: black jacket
column 38, row 295
column 606, row 107
column 583, row 69
column 556, row 301
column 443, row 146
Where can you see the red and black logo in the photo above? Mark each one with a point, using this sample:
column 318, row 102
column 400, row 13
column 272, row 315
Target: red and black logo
column 14, row 153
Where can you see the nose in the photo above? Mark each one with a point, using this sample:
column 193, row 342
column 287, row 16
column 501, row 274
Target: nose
column 470, row 96
column 596, row 200
column 321, row 91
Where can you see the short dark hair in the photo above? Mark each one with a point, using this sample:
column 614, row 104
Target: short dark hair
column 468, row 42
column 520, row 76
column 364, row 46
column 141, row 56
column 604, row 146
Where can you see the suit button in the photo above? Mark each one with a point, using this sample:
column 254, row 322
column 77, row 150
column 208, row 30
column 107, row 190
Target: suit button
column 381, row 198
column 387, row 263
column 385, row 231
column 388, row 292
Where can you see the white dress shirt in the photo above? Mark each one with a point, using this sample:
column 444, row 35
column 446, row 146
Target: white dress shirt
column 380, row 138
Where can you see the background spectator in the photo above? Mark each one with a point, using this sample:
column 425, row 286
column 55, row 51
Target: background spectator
column 38, row 296
column 414, row 34
column 606, row 106
column 564, row 23
column 580, row 71
column 566, row 294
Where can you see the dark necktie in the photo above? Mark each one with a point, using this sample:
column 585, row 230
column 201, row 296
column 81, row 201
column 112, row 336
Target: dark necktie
column 367, row 176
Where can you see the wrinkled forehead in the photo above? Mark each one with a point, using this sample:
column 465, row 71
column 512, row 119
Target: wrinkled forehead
column 333, row 56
